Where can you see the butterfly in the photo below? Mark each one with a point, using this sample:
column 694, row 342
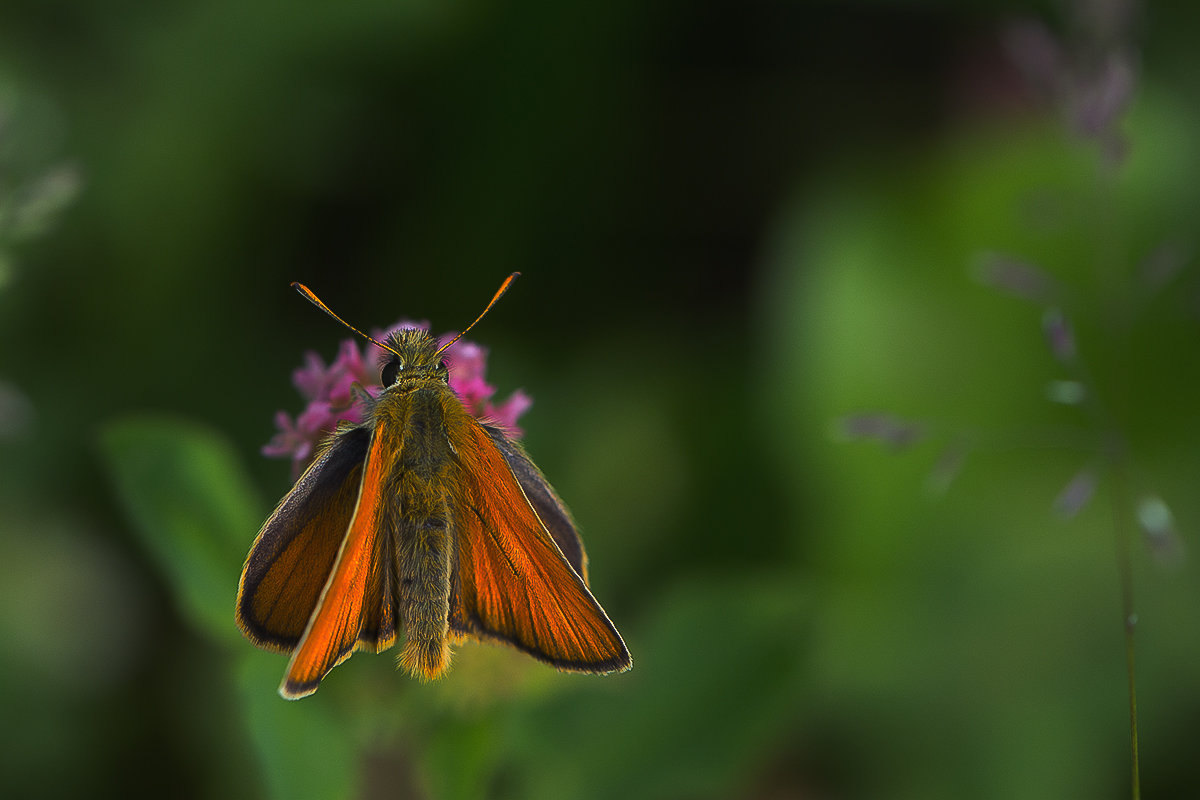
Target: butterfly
column 425, row 520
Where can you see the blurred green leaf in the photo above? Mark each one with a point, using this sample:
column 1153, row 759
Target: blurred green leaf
column 981, row 632
column 306, row 748
column 191, row 504
column 718, row 673
column 462, row 758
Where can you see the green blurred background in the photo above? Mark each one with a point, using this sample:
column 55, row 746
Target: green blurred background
column 738, row 223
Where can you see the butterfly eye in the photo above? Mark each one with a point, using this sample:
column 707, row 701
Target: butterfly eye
column 390, row 370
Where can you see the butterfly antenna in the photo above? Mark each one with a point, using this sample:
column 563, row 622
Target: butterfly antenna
column 499, row 293
column 316, row 301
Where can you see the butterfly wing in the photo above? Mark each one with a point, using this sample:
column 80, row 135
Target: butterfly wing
column 294, row 553
column 354, row 610
column 542, row 497
column 513, row 582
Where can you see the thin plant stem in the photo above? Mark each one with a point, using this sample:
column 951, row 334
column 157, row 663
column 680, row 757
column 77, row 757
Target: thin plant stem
column 1121, row 523
column 1114, row 275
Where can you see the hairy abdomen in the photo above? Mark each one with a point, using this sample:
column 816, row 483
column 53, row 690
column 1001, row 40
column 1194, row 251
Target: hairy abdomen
column 423, row 531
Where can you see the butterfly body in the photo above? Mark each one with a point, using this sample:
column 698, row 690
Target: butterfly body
column 422, row 519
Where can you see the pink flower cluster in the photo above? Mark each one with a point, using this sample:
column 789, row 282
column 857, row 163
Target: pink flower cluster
column 327, row 389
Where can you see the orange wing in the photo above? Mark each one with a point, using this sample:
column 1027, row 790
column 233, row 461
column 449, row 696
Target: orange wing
column 355, row 609
column 513, row 583
column 293, row 554
column 542, row 497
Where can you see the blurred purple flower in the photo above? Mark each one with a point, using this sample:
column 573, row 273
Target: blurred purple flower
column 1102, row 96
column 949, row 465
column 311, row 378
column 328, row 391
column 1059, row 335
column 468, row 363
column 1091, row 77
column 1163, row 263
column 885, row 428
column 1037, row 54
column 1015, row 277
column 1076, row 494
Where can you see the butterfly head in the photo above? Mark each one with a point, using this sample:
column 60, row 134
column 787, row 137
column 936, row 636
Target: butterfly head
column 412, row 353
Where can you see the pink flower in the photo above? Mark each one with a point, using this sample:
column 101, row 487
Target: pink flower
column 328, row 392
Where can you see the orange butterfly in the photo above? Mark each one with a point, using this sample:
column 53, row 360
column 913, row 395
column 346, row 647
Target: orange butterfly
column 421, row 518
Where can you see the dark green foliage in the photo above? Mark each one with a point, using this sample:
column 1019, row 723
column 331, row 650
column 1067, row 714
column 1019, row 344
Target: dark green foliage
column 738, row 223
